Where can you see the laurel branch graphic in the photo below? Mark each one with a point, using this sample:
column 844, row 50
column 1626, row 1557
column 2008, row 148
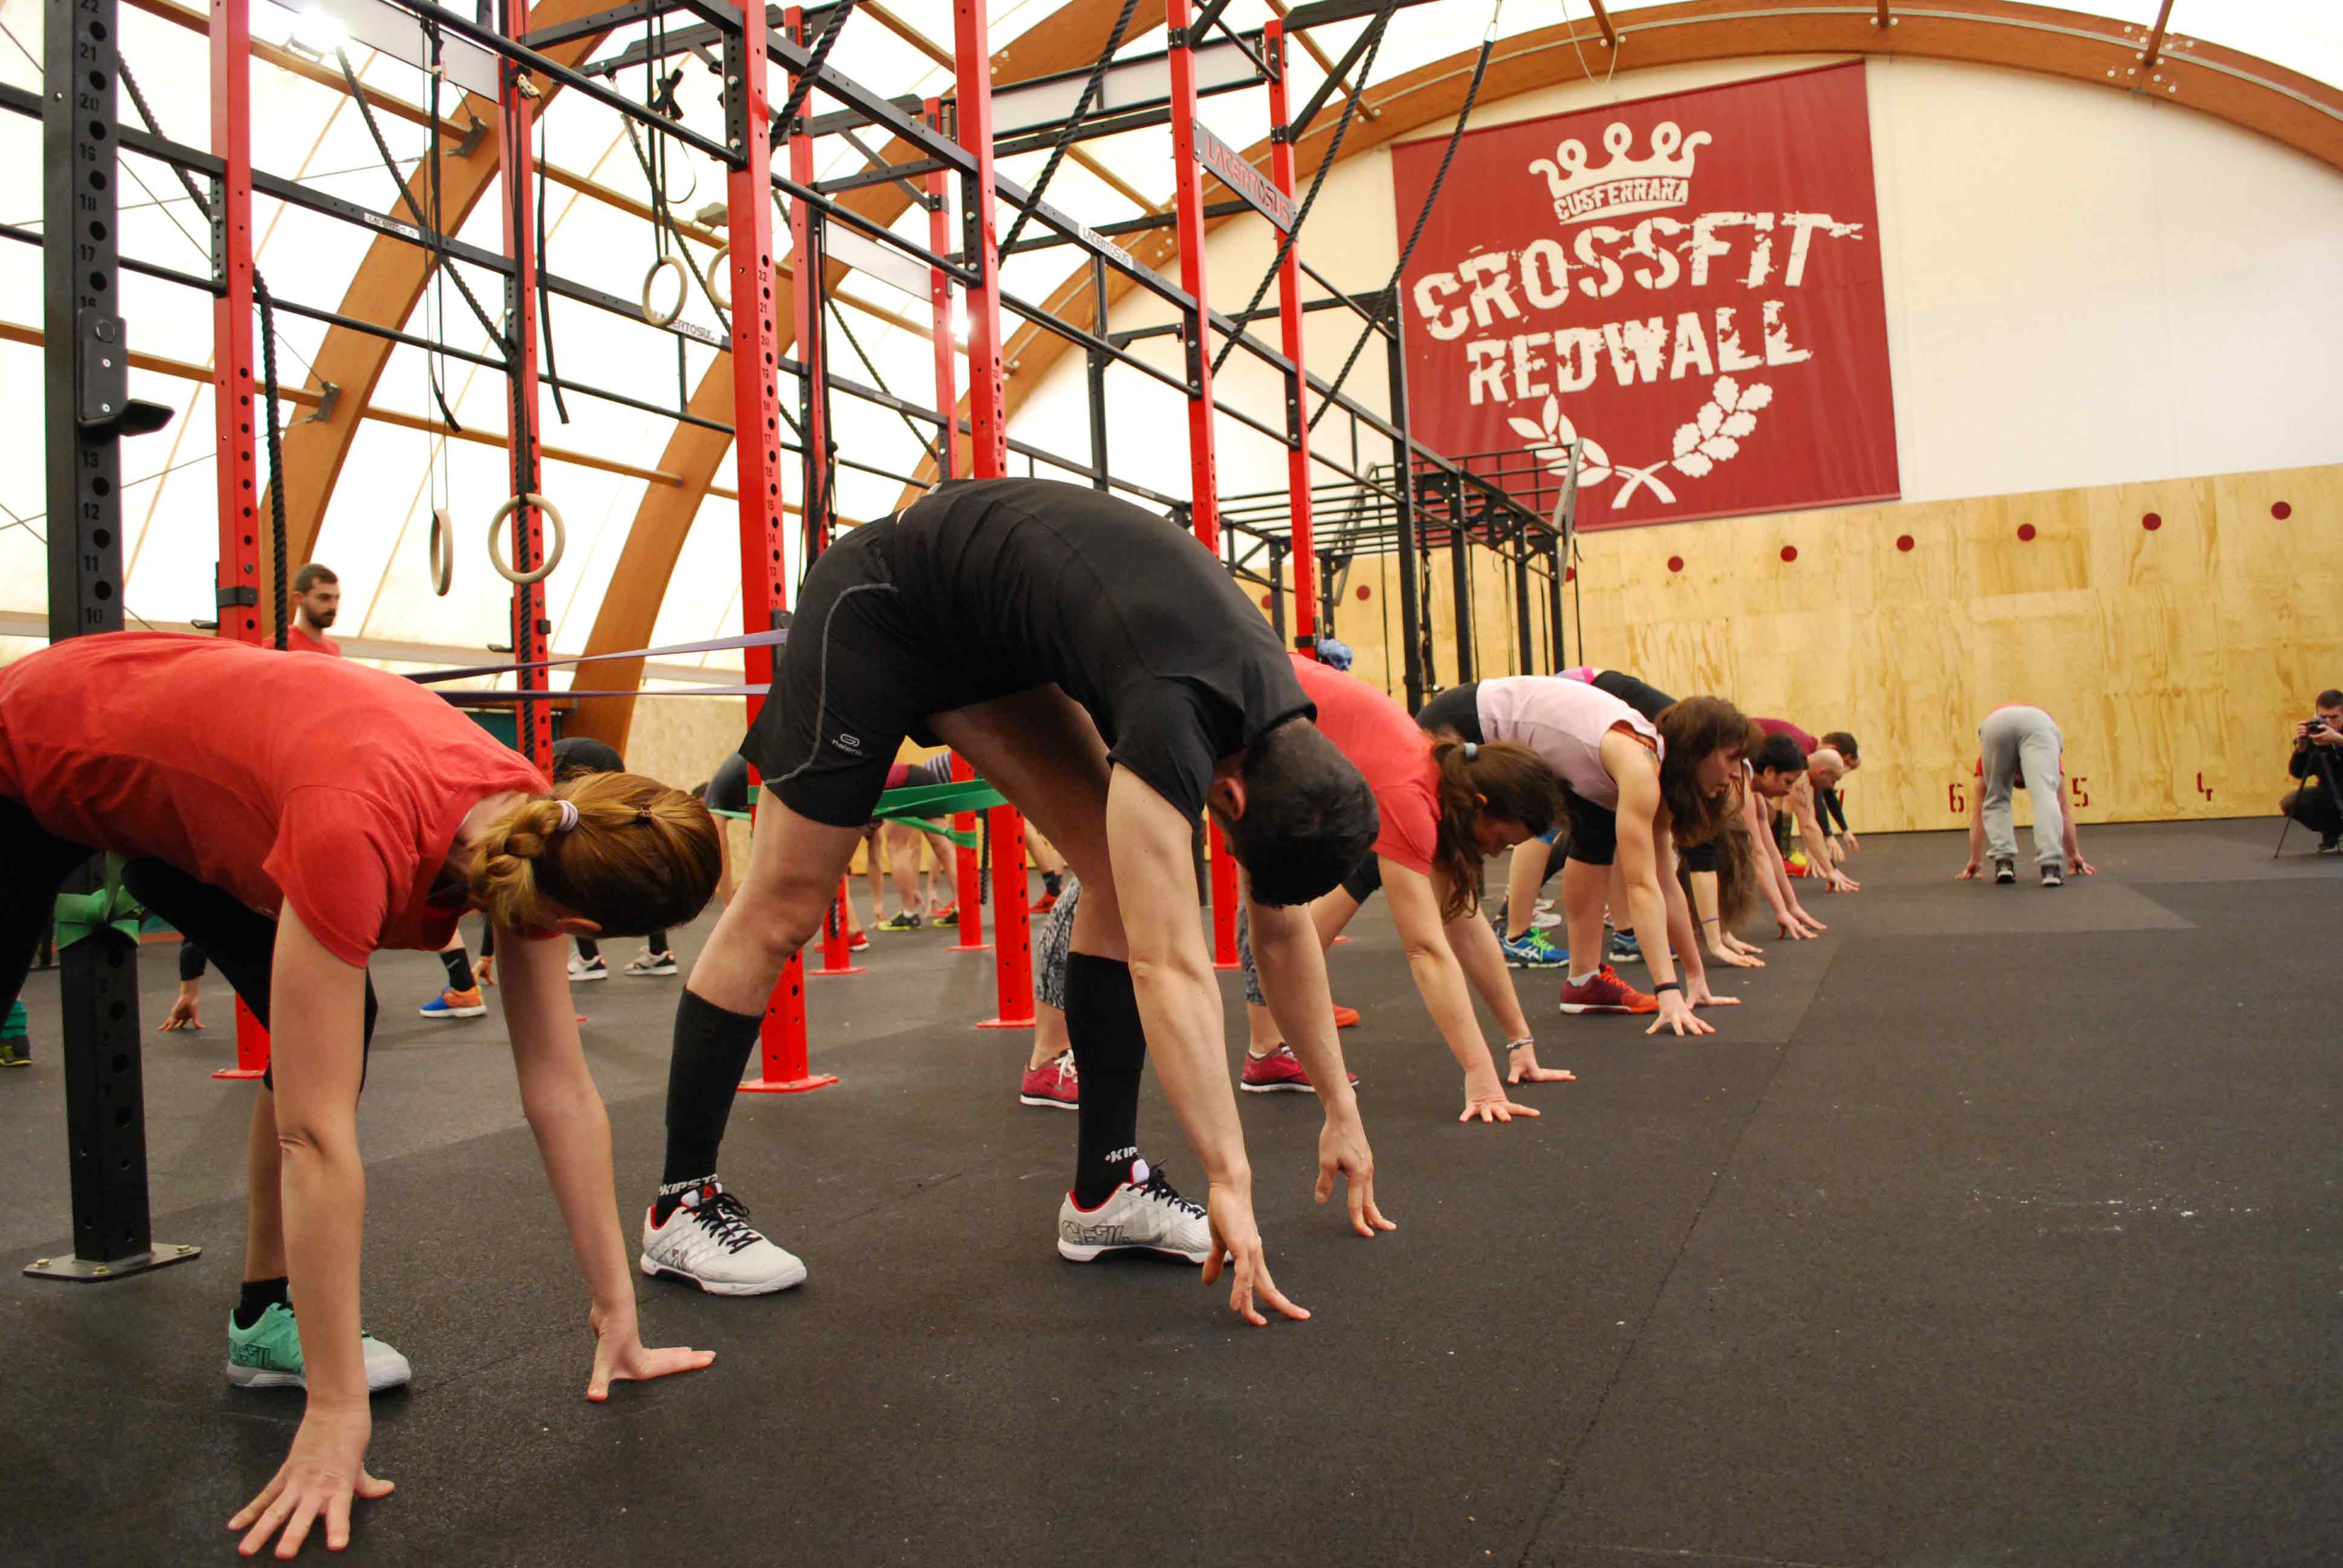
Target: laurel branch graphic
column 1712, row 436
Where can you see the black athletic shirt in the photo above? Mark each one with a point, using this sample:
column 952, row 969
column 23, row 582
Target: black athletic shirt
column 727, row 790
column 1042, row 581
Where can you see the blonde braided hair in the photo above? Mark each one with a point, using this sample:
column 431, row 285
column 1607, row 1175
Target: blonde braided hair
column 642, row 857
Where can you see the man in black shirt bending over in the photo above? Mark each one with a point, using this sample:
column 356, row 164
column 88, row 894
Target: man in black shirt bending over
column 1102, row 672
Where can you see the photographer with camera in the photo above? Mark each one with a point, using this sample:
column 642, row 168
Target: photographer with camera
column 2315, row 802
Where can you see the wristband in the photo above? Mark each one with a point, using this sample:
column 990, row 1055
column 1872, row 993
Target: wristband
column 1676, row 986
column 1514, row 1045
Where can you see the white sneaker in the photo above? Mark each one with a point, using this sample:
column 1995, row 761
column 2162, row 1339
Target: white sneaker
column 708, row 1242
column 1144, row 1215
column 651, row 963
column 582, row 969
column 1543, row 921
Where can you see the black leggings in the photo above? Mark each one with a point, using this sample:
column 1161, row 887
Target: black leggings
column 240, row 941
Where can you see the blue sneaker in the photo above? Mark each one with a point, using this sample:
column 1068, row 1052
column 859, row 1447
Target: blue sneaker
column 1626, row 950
column 1532, row 950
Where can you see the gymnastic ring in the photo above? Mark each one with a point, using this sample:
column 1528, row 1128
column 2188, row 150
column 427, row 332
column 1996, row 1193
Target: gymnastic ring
column 443, row 551
column 669, row 263
column 716, row 277
column 552, row 514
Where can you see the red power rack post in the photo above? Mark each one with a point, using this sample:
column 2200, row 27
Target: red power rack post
column 1289, row 321
column 1187, row 185
column 989, row 460
column 968, row 883
column 236, row 416
column 533, row 727
column 757, row 455
column 837, row 957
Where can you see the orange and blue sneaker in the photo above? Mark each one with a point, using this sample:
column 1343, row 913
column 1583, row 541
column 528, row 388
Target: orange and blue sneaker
column 1604, row 992
column 455, row 1004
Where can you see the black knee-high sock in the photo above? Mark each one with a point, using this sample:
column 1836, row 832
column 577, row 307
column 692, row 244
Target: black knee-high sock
column 711, row 1050
column 460, row 968
column 1109, row 1053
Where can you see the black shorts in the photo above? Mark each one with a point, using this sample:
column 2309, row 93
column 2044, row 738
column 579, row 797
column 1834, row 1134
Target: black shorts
column 1366, row 879
column 854, row 682
column 1701, row 857
column 1457, row 708
column 1644, row 698
column 1594, row 833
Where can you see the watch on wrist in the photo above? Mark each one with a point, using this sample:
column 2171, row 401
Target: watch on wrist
column 1676, row 986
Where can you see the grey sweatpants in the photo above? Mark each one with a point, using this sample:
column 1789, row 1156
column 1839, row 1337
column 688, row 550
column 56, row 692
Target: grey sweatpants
column 2025, row 738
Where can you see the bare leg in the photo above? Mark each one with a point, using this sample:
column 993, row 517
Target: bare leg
column 794, row 867
column 1050, row 1041
column 1524, row 875
column 903, row 867
column 264, row 1196
column 1582, row 886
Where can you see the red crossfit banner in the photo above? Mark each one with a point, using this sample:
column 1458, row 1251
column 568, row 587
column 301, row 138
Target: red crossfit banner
column 1689, row 284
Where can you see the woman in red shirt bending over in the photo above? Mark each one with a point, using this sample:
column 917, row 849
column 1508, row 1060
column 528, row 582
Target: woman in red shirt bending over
column 1444, row 803
column 294, row 815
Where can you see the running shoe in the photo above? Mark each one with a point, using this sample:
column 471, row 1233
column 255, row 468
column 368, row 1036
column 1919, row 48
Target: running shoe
column 268, row 1355
column 1045, row 903
column 455, row 1004
column 1532, row 951
column 858, row 941
column 1544, row 921
column 2329, row 842
column 1625, row 948
column 2051, row 879
column 1344, row 1016
column 708, row 1242
column 944, row 916
column 1145, row 1214
column 901, row 921
column 584, row 970
column 2005, row 871
column 1604, row 992
column 1795, row 864
column 651, row 963
column 1055, row 1085
column 1277, row 1072
column 15, row 1044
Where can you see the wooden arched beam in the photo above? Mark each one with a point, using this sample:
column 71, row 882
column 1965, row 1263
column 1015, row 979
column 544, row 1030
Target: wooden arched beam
column 2244, row 90
column 1072, row 37
column 385, row 289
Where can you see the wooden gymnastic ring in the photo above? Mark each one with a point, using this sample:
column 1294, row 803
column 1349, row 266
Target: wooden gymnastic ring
column 443, row 551
column 669, row 263
column 716, row 277
column 552, row 514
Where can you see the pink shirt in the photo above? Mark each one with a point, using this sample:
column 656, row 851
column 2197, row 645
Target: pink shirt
column 1563, row 721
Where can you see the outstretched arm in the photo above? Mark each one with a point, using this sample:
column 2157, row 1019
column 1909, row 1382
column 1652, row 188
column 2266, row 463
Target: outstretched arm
column 1976, row 831
column 573, row 1138
column 1440, row 982
column 1148, row 841
column 1637, row 775
column 1290, row 955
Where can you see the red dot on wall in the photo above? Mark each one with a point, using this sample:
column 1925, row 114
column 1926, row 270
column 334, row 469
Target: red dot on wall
column 2026, row 531
column 2281, row 510
column 1267, row 600
column 1789, row 552
column 1903, row 541
column 1366, row 592
column 1675, row 563
column 2151, row 522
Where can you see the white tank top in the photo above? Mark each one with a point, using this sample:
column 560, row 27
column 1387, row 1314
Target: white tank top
column 1563, row 721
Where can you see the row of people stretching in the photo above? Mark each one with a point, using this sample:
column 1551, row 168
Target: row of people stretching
column 1089, row 660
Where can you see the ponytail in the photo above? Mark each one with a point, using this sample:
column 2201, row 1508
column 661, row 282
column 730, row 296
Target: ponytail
column 1498, row 779
column 624, row 851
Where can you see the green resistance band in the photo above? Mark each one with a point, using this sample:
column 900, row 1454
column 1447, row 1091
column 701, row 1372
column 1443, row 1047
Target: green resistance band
column 83, row 915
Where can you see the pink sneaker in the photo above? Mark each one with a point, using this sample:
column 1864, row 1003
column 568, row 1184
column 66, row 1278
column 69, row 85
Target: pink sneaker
column 858, row 941
column 1053, row 1085
column 1280, row 1071
column 1604, row 992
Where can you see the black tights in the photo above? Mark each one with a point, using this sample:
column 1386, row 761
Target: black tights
column 241, row 941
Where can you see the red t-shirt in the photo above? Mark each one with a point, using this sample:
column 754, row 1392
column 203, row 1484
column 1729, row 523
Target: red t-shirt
column 1389, row 750
column 332, row 786
column 1806, row 743
column 296, row 640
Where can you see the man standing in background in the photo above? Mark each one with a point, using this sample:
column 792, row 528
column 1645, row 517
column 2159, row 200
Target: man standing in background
column 316, row 600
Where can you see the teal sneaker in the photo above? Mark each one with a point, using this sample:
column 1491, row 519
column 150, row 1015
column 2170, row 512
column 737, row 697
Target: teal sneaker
column 16, row 1047
column 268, row 1355
column 1532, row 950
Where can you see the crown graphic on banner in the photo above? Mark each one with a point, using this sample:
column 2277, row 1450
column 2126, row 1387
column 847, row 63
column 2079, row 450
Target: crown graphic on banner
column 1625, row 184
